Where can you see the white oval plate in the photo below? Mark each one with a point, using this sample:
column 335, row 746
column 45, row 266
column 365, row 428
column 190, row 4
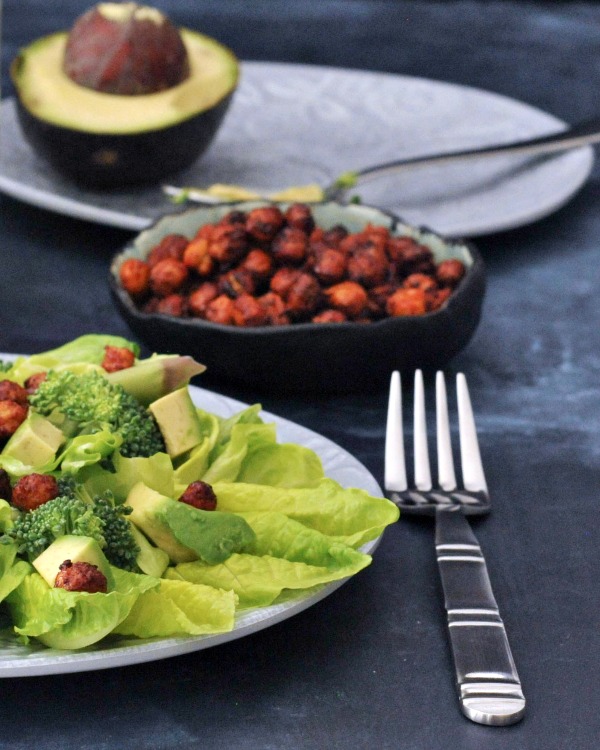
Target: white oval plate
column 24, row 661
column 294, row 124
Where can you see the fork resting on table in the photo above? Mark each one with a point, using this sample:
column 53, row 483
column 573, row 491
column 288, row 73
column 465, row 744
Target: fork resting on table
column 488, row 684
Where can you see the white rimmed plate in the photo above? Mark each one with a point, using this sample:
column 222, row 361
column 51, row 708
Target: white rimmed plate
column 292, row 124
column 18, row 660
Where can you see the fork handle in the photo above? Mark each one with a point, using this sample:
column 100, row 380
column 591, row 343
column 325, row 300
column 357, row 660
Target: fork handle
column 488, row 684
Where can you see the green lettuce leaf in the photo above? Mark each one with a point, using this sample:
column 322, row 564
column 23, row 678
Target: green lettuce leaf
column 154, row 471
column 12, row 571
column 72, row 619
column 280, row 465
column 351, row 516
column 243, row 439
column 179, row 607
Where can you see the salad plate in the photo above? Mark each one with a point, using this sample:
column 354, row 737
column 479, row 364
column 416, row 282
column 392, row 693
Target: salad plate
column 292, row 124
column 17, row 660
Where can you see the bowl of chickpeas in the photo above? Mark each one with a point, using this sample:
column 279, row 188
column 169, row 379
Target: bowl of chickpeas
column 293, row 297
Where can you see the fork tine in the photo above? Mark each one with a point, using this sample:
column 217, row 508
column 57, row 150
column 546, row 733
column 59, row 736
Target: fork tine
column 422, row 470
column 395, row 466
column 446, row 475
column 471, row 465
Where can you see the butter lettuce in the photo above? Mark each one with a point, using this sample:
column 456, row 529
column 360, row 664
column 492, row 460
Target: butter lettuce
column 351, row 516
column 73, row 619
column 179, row 607
column 12, row 571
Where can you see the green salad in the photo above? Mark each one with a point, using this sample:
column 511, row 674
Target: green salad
column 127, row 510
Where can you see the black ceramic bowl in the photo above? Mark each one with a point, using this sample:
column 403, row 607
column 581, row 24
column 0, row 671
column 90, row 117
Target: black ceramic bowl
column 312, row 357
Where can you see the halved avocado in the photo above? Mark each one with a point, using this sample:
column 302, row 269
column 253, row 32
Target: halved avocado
column 108, row 140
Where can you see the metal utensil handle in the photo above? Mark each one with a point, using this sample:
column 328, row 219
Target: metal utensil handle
column 489, row 686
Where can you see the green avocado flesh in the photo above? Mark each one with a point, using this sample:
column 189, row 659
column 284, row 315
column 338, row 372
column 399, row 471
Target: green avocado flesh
column 47, row 93
column 186, row 533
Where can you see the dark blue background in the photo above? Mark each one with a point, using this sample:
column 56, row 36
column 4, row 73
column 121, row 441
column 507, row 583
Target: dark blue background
column 369, row 667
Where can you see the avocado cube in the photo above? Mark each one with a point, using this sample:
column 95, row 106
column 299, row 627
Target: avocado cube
column 178, row 421
column 76, row 549
column 35, row 441
column 151, row 560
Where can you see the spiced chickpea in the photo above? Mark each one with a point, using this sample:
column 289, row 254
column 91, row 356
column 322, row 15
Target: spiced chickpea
column 437, row 298
column 81, row 576
column 274, row 308
column 332, row 237
column 197, row 257
column 330, row 266
column 200, row 297
column 117, row 358
column 420, row 281
column 12, row 415
column 234, row 217
column 171, row 246
column 368, row 265
column 407, row 302
column 168, row 276
column 259, row 263
column 449, row 272
column 329, row 316
column 33, row 382
column 264, row 223
column 303, row 296
column 236, row 282
column 378, row 297
column 200, row 495
column 290, row 246
column 299, row 216
column 220, row 310
column 134, row 275
column 282, row 280
column 349, row 297
column 11, row 391
column 33, row 490
column 172, row 304
column 228, row 243
column 247, row 311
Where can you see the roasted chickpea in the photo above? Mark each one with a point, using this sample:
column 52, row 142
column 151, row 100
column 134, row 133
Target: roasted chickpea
column 34, row 490
column 199, row 495
column 283, row 279
column 197, row 257
column 259, row 263
column 330, row 266
column 407, row 302
column 33, row 382
column 117, row 358
column 81, row 576
column 236, row 282
column 378, row 297
column 228, row 243
column 437, row 298
column 134, row 275
column 299, row 216
column 264, row 223
column 332, row 237
column 168, row 276
column 247, row 311
column 302, row 297
column 349, row 297
column 420, row 281
column 274, row 308
column 172, row 304
column 368, row 265
column 449, row 272
column 290, row 246
column 12, row 415
column 11, row 391
column 220, row 310
column 234, row 217
column 171, row 246
column 200, row 297
column 329, row 316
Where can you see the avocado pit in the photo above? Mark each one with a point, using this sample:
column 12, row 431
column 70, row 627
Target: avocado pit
column 125, row 49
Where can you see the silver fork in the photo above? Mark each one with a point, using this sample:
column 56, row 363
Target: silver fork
column 488, row 684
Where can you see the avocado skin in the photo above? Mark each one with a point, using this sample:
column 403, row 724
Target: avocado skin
column 108, row 161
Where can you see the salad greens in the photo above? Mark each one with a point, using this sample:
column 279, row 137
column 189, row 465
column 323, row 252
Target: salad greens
column 281, row 526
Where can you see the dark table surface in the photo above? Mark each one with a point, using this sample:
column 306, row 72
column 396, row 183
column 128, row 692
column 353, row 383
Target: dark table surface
column 369, row 667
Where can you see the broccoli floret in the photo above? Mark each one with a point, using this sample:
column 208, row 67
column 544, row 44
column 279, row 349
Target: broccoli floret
column 74, row 512
column 93, row 403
